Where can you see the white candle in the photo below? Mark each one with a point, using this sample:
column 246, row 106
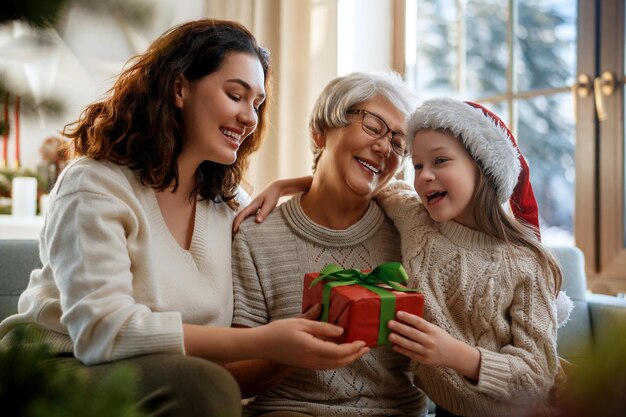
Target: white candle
column 24, row 196
column 43, row 204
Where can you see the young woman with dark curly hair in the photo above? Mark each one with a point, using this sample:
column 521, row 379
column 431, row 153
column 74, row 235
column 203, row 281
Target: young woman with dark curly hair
column 136, row 247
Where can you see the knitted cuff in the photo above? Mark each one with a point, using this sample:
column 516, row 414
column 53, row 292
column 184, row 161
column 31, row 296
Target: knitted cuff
column 494, row 373
column 156, row 333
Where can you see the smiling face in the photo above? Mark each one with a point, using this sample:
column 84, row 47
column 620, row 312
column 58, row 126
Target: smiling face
column 446, row 176
column 220, row 109
column 353, row 162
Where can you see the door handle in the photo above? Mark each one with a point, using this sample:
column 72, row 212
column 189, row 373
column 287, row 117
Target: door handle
column 582, row 88
column 603, row 86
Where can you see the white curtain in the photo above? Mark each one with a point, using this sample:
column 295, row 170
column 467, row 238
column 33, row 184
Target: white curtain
column 302, row 38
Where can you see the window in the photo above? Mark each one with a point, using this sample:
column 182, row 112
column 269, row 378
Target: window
column 554, row 71
column 518, row 59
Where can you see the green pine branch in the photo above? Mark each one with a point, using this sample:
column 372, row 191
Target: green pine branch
column 33, row 385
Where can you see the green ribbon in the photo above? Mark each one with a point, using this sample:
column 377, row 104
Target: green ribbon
column 389, row 273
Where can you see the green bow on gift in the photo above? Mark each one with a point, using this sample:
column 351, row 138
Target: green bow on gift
column 389, row 273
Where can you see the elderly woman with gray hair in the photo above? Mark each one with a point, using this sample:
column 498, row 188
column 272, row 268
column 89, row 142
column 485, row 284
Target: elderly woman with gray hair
column 358, row 133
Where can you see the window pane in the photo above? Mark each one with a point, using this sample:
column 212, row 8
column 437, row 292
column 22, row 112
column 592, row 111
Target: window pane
column 545, row 44
column 546, row 138
column 457, row 50
column 432, row 70
column 500, row 109
column 487, row 51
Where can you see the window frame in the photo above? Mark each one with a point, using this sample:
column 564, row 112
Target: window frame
column 599, row 213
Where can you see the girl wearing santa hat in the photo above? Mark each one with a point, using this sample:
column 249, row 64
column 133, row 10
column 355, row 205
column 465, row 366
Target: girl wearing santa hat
column 486, row 345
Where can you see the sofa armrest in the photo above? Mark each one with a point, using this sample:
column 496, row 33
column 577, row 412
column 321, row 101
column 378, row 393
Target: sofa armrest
column 608, row 313
column 18, row 258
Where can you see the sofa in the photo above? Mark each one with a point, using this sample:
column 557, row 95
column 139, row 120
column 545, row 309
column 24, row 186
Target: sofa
column 593, row 318
column 17, row 259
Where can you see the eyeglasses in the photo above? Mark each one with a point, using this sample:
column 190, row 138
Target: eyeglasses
column 376, row 127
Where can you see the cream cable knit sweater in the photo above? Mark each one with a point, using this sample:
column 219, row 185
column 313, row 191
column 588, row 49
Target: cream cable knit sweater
column 114, row 282
column 479, row 294
column 269, row 263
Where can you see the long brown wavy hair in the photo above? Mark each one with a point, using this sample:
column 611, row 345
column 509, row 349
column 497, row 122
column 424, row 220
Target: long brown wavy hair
column 138, row 124
column 492, row 219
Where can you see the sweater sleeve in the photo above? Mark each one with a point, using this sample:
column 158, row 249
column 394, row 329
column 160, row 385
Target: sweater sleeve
column 401, row 204
column 526, row 367
column 250, row 308
column 86, row 237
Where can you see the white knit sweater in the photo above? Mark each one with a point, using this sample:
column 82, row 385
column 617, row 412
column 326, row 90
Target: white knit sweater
column 481, row 295
column 114, row 282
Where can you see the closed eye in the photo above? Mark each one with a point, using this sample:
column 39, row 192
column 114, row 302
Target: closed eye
column 234, row 97
column 374, row 130
column 398, row 143
column 439, row 161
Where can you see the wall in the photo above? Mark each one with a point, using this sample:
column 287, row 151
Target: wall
column 364, row 30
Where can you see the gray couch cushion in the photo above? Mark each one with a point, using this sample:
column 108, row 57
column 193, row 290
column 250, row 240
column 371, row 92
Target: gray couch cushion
column 17, row 260
column 575, row 338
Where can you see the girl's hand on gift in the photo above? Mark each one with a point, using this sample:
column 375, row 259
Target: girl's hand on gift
column 420, row 340
column 429, row 344
column 300, row 342
column 264, row 203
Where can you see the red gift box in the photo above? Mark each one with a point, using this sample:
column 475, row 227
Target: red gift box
column 357, row 309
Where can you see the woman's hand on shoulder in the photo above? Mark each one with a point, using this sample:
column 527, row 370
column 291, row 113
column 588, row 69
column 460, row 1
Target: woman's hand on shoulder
column 260, row 206
column 304, row 343
column 266, row 201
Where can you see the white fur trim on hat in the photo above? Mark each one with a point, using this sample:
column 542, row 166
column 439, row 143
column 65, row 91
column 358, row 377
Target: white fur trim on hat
column 486, row 141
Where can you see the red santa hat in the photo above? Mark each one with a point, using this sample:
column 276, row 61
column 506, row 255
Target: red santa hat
column 490, row 143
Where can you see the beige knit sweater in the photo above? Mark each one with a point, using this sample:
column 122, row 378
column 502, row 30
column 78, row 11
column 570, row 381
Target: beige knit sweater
column 476, row 291
column 269, row 263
